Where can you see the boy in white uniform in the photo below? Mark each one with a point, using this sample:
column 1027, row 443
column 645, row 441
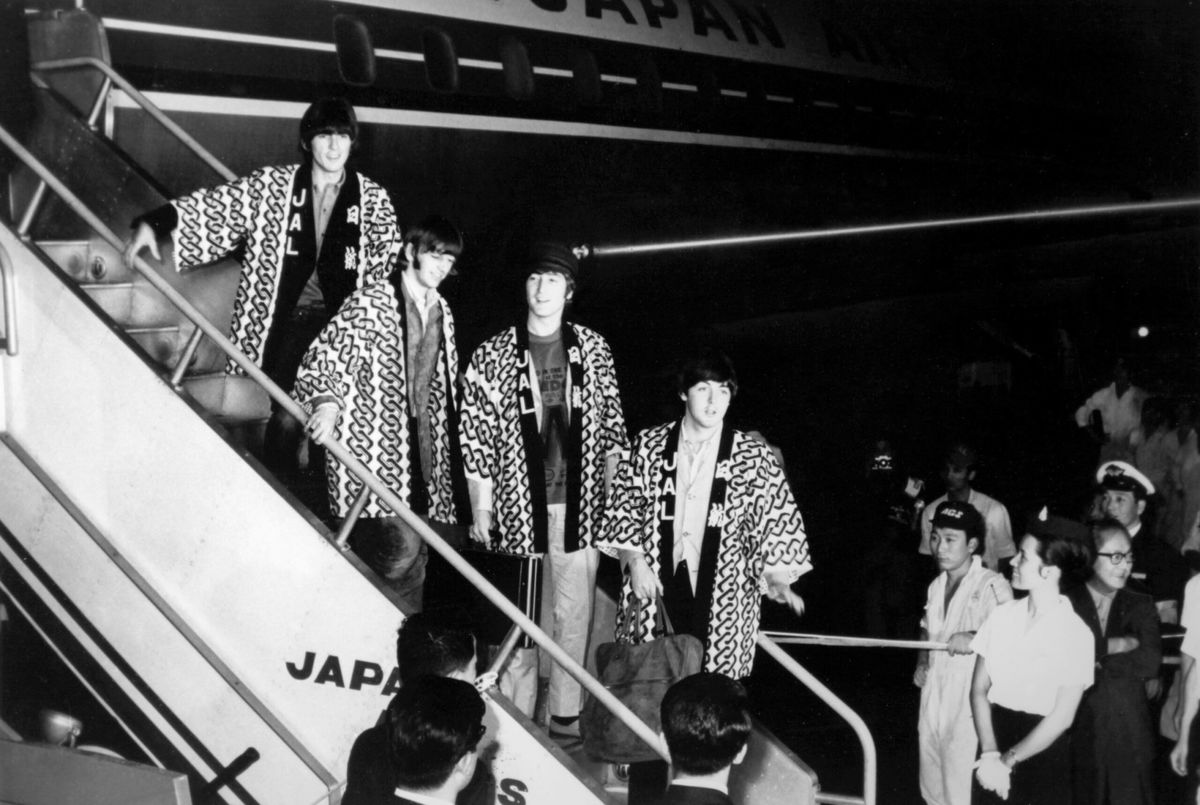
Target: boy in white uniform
column 960, row 599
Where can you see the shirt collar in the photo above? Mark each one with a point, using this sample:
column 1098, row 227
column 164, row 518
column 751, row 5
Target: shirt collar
column 413, row 292
column 422, row 798
column 724, row 789
column 336, row 186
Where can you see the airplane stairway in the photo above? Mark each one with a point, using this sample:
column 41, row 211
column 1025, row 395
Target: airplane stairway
column 209, row 613
column 213, row 616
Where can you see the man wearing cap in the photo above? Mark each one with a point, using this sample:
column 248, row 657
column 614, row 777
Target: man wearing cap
column 1158, row 569
column 307, row 236
column 382, row 377
column 959, row 473
column 542, row 428
column 959, row 601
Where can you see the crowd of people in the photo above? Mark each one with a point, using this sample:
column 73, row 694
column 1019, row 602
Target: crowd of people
column 1043, row 679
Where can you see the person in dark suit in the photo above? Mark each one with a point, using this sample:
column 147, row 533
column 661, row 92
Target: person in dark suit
column 1113, row 743
column 427, row 643
column 434, row 726
column 706, row 722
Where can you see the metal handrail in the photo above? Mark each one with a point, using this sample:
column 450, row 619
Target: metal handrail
column 339, row 451
column 142, row 101
column 8, row 287
column 870, row 761
column 173, row 617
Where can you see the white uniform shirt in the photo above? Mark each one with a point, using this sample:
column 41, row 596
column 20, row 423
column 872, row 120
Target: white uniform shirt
column 1190, row 618
column 978, row 594
column 693, row 488
column 1119, row 415
column 1029, row 662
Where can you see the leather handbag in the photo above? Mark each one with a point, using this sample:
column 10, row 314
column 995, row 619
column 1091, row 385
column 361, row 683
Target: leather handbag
column 519, row 578
column 638, row 674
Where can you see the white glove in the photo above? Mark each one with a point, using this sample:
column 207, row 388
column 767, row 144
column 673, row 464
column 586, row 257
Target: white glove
column 993, row 774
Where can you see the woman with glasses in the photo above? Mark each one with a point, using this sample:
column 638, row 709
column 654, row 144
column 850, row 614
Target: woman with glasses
column 1112, row 745
column 1035, row 658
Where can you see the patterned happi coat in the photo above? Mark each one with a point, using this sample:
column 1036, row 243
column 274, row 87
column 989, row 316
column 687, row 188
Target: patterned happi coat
column 269, row 214
column 359, row 361
column 502, row 447
column 753, row 525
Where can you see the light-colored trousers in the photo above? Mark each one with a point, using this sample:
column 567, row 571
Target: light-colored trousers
column 572, row 586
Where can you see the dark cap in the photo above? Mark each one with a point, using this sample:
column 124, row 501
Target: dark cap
column 1124, row 477
column 549, row 257
column 961, row 516
column 328, row 115
column 1045, row 525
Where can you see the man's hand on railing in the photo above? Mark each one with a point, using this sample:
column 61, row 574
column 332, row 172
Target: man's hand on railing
column 142, row 238
column 482, row 527
column 322, row 422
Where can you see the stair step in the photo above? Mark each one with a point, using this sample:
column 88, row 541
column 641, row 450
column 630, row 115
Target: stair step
column 69, row 255
column 114, row 298
column 233, row 398
column 133, row 304
column 86, row 260
column 164, row 345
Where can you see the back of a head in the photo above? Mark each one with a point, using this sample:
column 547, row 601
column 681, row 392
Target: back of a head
column 1065, row 544
column 706, row 720
column 432, row 722
column 433, row 643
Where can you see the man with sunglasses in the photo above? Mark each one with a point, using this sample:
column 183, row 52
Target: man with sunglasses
column 435, row 725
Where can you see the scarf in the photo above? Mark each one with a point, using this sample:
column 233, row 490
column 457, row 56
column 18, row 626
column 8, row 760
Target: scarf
column 665, row 514
column 532, row 439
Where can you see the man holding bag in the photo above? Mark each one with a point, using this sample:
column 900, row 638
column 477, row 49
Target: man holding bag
column 705, row 524
column 702, row 516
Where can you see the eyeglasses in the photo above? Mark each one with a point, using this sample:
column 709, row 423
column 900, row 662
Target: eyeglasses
column 1117, row 557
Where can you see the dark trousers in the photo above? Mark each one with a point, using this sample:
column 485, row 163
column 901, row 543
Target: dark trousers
column 281, row 443
column 1044, row 779
column 397, row 554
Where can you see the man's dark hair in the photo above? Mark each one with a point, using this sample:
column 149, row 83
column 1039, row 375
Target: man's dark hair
column 706, row 720
column 435, row 233
column 429, row 643
column 963, row 456
column 432, row 722
column 709, row 365
column 328, row 116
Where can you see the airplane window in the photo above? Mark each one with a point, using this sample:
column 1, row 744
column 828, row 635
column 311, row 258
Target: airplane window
column 518, row 74
column 441, row 60
column 586, row 77
column 649, row 82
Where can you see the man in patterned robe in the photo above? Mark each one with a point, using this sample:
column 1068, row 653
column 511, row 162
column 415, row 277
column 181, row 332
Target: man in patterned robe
column 306, row 235
column 382, row 378
column 542, row 428
column 702, row 519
